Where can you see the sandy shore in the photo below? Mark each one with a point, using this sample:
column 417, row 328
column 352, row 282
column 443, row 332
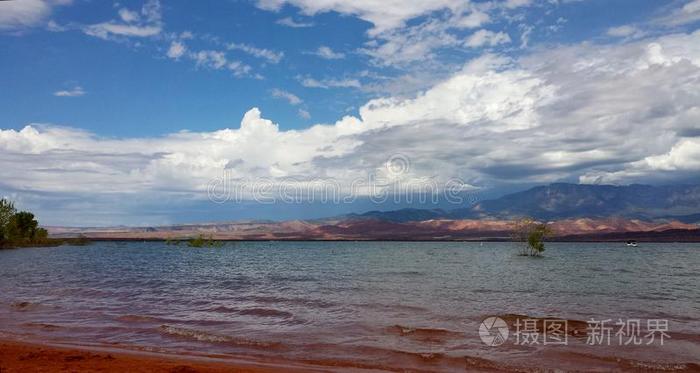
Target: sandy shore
column 29, row 357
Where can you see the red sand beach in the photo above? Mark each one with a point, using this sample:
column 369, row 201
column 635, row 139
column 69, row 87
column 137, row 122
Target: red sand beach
column 27, row 357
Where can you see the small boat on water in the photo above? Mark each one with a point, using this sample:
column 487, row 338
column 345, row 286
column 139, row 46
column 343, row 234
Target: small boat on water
column 632, row 243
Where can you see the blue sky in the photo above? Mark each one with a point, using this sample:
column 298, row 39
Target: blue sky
column 150, row 100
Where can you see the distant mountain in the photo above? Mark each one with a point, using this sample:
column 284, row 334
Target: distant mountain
column 573, row 212
column 373, row 229
column 570, row 201
column 400, row 216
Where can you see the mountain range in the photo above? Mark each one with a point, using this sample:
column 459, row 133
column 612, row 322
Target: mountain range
column 570, row 201
column 574, row 212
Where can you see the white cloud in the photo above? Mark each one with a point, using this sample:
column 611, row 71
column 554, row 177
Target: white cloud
column 270, row 55
column 511, row 4
column 217, row 60
column 176, row 50
column 688, row 13
column 290, row 22
column 435, row 24
column 406, row 46
column 626, row 112
column 383, row 14
column 289, row 97
column 55, row 27
column 128, row 16
column 328, row 53
column 108, row 29
column 17, row 15
column 525, row 35
column 304, row 114
column 144, row 23
column 329, row 83
column 240, row 69
column 486, row 38
column 76, row 91
column 473, row 20
column 625, row 31
column 682, row 158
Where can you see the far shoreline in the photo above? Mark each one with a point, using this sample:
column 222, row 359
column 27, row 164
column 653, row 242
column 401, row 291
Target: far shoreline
column 621, row 237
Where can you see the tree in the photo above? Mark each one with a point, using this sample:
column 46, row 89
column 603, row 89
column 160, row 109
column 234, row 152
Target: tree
column 22, row 226
column 7, row 210
column 41, row 235
column 532, row 235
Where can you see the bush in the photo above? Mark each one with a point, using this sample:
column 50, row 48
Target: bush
column 200, row 241
column 532, row 235
column 41, row 235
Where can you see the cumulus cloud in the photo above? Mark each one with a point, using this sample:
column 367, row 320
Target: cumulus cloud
column 74, row 92
column 620, row 113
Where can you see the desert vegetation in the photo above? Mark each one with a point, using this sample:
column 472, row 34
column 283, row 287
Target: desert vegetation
column 531, row 236
column 21, row 229
column 201, row 241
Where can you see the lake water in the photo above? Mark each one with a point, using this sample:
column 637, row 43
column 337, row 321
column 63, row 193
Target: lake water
column 350, row 305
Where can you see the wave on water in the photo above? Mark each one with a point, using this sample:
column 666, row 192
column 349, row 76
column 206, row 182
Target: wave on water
column 425, row 334
column 203, row 336
column 255, row 311
column 576, row 328
column 277, row 278
column 24, row 306
column 223, row 309
column 298, row 301
column 265, row 312
column 137, row 318
column 635, row 365
column 43, row 326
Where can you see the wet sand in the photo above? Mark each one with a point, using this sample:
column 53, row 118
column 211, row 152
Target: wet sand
column 29, row 357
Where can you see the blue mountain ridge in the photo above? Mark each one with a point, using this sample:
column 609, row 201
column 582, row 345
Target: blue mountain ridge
column 569, row 201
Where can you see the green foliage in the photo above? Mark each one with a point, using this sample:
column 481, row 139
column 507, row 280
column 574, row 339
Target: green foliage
column 22, row 227
column 200, row 241
column 7, row 210
column 532, row 234
column 78, row 241
column 41, row 234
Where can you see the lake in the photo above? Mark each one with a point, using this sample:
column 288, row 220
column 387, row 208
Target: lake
column 350, row 305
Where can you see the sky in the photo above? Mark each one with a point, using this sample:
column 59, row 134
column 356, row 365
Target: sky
column 135, row 112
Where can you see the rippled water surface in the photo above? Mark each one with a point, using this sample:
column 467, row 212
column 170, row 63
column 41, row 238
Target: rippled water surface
column 350, row 304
